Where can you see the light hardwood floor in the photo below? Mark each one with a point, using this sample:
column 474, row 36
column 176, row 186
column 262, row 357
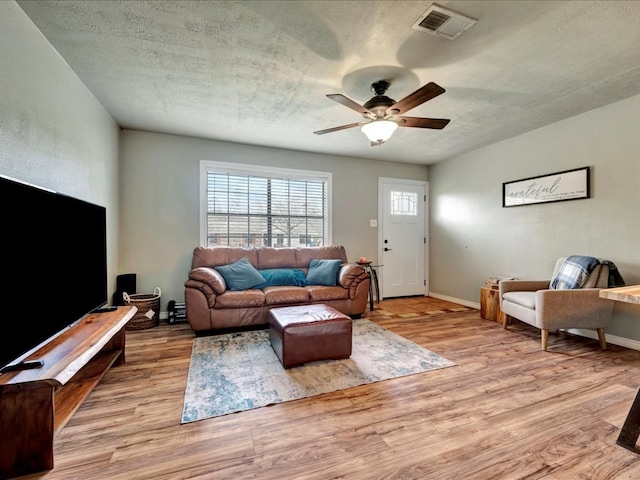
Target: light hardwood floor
column 507, row 411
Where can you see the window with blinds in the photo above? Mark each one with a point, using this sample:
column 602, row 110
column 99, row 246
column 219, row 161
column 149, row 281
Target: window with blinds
column 265, row 206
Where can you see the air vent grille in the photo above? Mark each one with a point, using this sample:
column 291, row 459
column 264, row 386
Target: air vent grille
column 434, row 20
column 443, row 22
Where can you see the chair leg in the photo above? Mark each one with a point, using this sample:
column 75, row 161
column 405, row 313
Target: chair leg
column 544, row 338
column 601, row 337
column 505, row 320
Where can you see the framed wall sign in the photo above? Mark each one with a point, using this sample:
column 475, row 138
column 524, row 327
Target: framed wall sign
column 555, row 187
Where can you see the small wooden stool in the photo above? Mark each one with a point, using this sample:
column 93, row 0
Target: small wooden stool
column 308, row 333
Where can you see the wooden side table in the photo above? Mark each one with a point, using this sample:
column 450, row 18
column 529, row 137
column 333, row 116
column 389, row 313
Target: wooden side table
column 490, row 304
column 373, row 284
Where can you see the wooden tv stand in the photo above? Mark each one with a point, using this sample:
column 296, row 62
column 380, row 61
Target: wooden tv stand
column 37, row 403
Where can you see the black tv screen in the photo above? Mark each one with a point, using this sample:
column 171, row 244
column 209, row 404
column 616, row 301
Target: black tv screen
column 54, row 265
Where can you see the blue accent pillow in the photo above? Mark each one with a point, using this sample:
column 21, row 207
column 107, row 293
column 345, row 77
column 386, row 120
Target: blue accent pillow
column 323, row 272
column 283, row 276
column 240, row 275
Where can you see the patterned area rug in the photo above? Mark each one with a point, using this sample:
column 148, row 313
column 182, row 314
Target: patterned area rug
column 240, row 371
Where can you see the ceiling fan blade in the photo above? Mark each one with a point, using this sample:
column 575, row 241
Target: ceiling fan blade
column 342, row 127
column 347, row 102
column 423, row 94
column 436, row 123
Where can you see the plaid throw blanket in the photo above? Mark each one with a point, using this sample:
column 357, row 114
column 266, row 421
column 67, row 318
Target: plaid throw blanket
column 576, row 269
column 574, row 272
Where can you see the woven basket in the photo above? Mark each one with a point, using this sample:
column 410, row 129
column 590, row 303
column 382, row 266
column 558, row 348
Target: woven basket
column 148, row 314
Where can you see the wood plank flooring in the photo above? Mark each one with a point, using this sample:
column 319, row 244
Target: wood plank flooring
column 507, row 411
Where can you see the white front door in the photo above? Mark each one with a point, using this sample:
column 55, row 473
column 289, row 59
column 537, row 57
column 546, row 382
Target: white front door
column 402, row 239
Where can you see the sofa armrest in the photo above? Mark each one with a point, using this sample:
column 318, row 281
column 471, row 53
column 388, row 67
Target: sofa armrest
column 350, row 276
column 209, row 277
column 522, row 286
column 579, row 307
column 558, row 301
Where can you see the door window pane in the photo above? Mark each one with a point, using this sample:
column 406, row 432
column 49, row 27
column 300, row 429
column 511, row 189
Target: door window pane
column 404, row 203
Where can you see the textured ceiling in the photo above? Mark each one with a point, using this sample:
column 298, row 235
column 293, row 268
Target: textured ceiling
column 258, row 72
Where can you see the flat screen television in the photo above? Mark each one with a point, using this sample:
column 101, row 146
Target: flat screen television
column 54, row 266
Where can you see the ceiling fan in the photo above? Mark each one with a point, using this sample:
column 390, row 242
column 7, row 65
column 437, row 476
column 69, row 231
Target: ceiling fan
column 383, row 115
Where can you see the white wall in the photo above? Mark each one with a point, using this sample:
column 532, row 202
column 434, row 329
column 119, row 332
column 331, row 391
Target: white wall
column 160, row 199
column 473, row 237
column 53, row 132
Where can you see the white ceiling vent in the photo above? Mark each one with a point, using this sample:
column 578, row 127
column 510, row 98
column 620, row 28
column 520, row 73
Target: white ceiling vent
column 443, row 22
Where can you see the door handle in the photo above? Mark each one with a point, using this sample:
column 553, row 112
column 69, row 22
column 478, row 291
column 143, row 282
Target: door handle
column 387, row 249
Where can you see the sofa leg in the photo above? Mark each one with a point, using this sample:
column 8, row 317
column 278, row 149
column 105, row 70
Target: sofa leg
column 544, row 337
column 505, row 320
column 601, row 337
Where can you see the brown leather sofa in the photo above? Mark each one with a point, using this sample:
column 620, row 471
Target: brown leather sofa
column 211, row 306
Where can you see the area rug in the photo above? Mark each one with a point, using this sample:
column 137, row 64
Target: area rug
column 240, row 371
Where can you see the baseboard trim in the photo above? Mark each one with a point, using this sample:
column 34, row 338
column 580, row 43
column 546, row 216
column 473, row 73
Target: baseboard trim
column 612, row 339
column 466, row 303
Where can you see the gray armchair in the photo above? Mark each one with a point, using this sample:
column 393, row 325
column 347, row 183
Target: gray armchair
column 536, row 303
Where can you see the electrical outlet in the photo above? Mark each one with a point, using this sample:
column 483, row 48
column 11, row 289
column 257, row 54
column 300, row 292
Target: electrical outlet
column 373, row 222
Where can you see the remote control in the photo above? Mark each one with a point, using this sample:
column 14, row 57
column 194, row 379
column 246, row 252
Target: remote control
column 16, row 367
column 105, row 310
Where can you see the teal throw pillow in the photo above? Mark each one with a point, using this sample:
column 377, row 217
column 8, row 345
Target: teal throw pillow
column 240, row 275
column 283, row 277
column 323, row 272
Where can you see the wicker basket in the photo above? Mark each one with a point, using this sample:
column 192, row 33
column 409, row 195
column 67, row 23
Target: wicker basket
column 148, row 314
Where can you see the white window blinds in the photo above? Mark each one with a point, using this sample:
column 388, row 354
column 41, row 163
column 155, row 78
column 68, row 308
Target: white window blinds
column 265, row 209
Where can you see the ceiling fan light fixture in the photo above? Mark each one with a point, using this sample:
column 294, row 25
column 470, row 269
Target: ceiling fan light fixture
column 379, row 109
column 379, row 131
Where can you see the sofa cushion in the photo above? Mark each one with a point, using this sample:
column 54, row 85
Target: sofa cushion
column 322, row 293
column 304, row 255
column 242, row 299
column 285, row 295
column 524, row 299
column 223, row 255
column 276, row 257
column 323, row 272
column 283, row 276
column 240, row 275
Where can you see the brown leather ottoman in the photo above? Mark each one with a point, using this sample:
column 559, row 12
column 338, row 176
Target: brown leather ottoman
column 308, row 333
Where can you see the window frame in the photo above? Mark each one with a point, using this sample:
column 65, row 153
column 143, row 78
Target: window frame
column 230, row 168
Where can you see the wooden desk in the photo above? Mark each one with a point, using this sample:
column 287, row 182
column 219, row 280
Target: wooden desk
column 631, row 427
column 629, row 294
